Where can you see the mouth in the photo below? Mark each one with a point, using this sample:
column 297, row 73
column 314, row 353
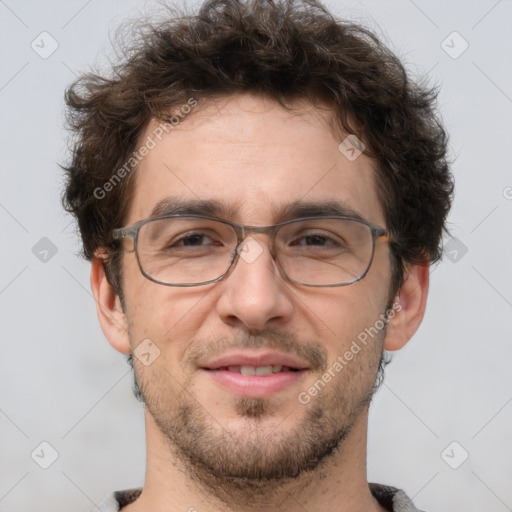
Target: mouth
column 260, row 371
column 256, row 375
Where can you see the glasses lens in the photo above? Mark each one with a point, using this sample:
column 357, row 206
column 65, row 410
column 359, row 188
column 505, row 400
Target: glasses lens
column 324, row 251
column 185, row 250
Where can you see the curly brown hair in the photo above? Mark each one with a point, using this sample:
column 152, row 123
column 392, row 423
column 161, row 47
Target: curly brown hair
column 283, row 50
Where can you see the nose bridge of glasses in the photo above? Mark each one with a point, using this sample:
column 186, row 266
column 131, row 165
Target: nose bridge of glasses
column 244, row 232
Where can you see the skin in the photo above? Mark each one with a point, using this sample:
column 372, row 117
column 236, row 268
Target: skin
column 257, row 157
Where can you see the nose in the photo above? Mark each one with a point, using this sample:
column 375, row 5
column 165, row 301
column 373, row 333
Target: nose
column 254, row 295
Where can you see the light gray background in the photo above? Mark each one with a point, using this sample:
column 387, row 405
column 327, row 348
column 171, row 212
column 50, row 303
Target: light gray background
column 61, row 382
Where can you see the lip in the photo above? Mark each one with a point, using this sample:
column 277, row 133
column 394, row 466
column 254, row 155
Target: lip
column 254, row 386
column 253, row 358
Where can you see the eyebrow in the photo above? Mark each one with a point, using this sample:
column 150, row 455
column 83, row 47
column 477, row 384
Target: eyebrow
column 177, row 206
column 223, row 210
column 318, row 209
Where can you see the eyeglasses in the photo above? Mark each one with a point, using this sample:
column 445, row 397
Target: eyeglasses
column 194, row 250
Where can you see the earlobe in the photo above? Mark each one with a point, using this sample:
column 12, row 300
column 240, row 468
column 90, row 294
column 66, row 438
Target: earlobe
column 108, row 306
column 408, row 307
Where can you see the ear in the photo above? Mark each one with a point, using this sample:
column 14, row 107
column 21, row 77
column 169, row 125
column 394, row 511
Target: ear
column 408, row 307
column 108, row 306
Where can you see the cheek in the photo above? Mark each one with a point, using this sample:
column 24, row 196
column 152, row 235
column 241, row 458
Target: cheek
column 339, row 315
column 355, row 348
column 168, row 316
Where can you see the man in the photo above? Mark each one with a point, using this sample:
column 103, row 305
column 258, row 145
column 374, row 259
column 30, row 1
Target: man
column 261, row 190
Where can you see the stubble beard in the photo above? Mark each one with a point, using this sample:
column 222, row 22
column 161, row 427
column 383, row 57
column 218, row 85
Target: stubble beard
column 256, row 461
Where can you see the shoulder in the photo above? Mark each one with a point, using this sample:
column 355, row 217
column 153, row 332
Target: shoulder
column 393, row 499
column 117, row 500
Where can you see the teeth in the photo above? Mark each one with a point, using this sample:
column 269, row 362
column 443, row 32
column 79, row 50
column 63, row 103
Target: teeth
column 264, row 370
column 257, row 370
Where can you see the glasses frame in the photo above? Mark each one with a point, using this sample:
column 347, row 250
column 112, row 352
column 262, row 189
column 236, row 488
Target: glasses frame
column 241, row 232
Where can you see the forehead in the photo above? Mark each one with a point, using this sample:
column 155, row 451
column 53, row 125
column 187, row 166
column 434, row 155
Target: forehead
column 256, row 159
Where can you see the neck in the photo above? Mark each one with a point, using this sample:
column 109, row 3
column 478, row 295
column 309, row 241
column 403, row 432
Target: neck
column 338, row 484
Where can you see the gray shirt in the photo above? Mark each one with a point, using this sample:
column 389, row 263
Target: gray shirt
column 390, row 498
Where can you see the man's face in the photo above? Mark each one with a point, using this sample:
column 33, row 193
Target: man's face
column 257, row 159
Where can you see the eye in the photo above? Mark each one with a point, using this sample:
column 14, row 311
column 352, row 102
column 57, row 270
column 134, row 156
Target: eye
column 314, row 240
column 196, row 239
